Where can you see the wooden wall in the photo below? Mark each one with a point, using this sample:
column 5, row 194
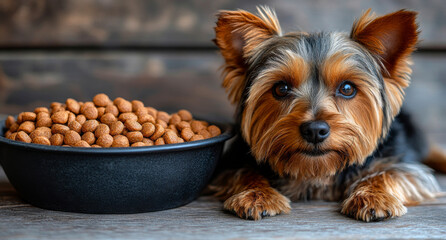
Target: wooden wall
column 161, row 51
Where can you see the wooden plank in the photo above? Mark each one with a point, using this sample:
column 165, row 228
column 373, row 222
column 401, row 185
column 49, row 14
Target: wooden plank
column 171, row 81
column 184, row 23
column 204, row 219
column 167, row 82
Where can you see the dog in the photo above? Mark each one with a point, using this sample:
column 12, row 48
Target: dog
column 319, row 116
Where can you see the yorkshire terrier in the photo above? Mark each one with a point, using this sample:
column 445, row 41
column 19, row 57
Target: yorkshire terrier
column 319, row 117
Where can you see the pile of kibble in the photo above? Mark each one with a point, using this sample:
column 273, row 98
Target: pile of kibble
column 106, row 123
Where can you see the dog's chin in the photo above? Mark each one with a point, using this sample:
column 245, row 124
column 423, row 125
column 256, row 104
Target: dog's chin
column 315, row 152
column 315, row 165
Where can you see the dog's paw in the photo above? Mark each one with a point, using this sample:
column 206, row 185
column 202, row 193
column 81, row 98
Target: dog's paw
column 372, row 207
column 255, row 204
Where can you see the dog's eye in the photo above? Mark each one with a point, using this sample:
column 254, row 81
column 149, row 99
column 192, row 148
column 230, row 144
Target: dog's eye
column 346, row 90
column 281, row 90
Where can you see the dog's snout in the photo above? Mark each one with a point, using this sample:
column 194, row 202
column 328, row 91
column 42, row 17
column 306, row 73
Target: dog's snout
column 315, row 131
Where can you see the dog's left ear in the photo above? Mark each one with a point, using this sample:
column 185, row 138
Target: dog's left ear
column 238, row 33
column 391, row 39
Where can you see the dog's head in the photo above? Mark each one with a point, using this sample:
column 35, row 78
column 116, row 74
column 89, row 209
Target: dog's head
column 311, row 104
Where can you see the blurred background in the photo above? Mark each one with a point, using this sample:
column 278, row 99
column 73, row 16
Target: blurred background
column 161, row 52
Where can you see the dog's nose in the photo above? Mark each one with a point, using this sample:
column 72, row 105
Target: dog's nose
column 315, row 131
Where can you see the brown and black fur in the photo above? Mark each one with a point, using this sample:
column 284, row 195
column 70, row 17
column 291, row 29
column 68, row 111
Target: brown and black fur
column 371, row 160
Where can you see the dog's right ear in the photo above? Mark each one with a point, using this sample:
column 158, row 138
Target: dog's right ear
column 238, row 33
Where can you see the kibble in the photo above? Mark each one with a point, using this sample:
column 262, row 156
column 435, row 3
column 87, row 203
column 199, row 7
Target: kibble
column 105, row 123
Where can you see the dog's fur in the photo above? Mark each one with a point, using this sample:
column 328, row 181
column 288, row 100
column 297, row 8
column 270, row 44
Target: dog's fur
column 371, row 160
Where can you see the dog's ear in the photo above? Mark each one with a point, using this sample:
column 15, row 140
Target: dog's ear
column 391, row 38
column 237, row 34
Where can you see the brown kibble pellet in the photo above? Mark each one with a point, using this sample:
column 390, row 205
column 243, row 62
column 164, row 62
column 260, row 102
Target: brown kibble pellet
column 180, row 140
column 41, row 132
column 214, row 130
column 90, row 126
column 175, row 119
column 102, row 129
column 101, row 100
column 152, row 111
column 187, row 134
column 148, row 129
column 72, row 106
column 127, row 116
column 124, row 106
column 112, row 109
column 138, row 144
column 41, row 109
column 71, row 137
column 143, row 118
column 41, row 115
column 173, row 128
column 147, row 141
column 105, row 140
column 56, row 139
column 170, row 137
column 159, row 131
column 86, row 105
column 118, row 100
column 125, row 131
column 14, row 127
column 108, row 118
column 28, row 116
column 55, row 104
column 136, row 104
column 120, row 141
column 22, row 137
column 27, row 127
column 196, row 137
column 9, row 121
column 90, row 112
column 134, row 136
column 182, row 125
column 60, row 117
column 196, row 126
column 163, row 116
column 162, row 123
column 75, row 126
column 81, row 143
column 44, row 122
column 59, row 128
column 159, row 141
column 12, row 136
column 205, row 133
column 133, row 125
column 81, row 119
column 89, row 137
column 116, row 128
column 185, row 115
column 8, row 134
column 101, row 111
column 95, row 146
column 41, row 140
column 71, row 117
column 141, row 111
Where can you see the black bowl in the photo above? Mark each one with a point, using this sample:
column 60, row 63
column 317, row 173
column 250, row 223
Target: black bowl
column 110, row 180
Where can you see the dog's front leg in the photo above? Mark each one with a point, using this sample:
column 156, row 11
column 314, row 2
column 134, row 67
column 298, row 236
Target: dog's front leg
column 382, row 193
column 249, row 195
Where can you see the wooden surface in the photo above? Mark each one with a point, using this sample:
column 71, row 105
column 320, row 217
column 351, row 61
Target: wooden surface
column 114, row 23
column 205, row 219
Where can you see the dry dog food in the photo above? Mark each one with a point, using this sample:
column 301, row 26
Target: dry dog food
column 106, row 123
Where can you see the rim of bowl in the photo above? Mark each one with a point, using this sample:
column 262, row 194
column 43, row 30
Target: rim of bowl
column 225, row 135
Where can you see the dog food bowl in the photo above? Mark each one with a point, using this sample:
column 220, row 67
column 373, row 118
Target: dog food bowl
column 110, row 180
